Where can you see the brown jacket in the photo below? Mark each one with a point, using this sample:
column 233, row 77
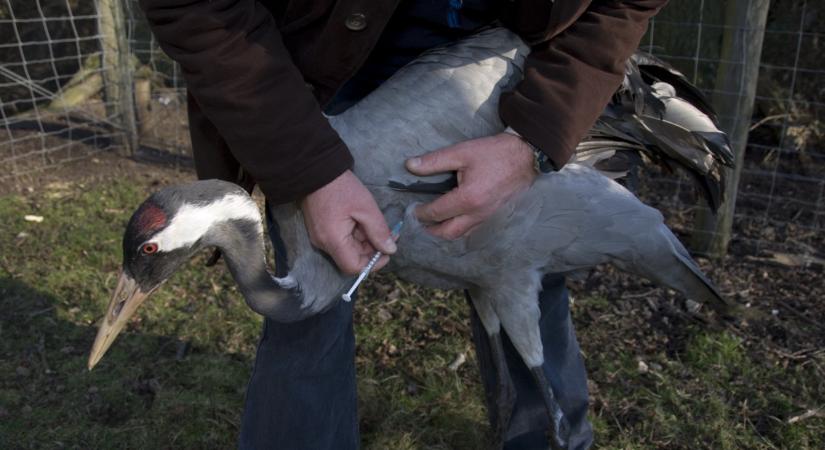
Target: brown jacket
column 258, row 70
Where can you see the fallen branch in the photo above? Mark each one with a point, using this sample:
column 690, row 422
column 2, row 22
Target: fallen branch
column 84, row 84
column 768, row 119
column 806, row 415
column 790, row 260
column 457, row 362
column 76, row 95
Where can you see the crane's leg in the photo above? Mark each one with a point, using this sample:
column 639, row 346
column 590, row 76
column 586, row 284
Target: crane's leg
column 558, row 424
column 519, row 317
column 505, row 392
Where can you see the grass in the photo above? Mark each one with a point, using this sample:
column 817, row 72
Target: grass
column 177, row 377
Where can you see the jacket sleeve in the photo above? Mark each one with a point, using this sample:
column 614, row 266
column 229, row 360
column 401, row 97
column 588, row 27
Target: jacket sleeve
column 243, row 79
column 569, row 79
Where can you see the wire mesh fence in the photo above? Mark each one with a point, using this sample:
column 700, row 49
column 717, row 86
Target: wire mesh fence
column 54, row 107
column 49, row 74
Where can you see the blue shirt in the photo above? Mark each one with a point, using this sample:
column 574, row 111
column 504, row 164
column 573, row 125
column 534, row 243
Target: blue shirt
column 416, row 26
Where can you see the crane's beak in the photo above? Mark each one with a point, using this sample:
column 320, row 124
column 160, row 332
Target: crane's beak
column 124, row 303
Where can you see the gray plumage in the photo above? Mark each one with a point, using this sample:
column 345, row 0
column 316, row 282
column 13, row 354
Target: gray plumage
column 567, row 221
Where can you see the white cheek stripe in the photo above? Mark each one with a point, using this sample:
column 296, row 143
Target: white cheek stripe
column 193, row 221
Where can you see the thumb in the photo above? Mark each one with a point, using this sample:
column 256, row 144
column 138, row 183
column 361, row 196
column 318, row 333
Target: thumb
column 443, row 160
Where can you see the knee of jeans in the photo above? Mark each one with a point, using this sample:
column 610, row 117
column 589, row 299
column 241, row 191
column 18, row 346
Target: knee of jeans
column 328, row 335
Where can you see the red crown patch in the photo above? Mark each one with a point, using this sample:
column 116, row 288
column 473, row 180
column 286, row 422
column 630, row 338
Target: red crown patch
column 150, row 218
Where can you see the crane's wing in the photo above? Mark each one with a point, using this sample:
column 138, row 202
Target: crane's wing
column 591, row 220
column 447, row 95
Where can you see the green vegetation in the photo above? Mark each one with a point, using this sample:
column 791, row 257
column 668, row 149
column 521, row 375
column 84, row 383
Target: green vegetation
column 176, row 378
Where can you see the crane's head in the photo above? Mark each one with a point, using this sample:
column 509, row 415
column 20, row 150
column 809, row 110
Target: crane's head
column 165, row 231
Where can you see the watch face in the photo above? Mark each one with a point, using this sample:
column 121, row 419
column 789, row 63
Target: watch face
column 543, row 163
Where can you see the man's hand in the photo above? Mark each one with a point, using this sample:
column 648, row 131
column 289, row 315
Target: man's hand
column 343, row 220
column 490, row 170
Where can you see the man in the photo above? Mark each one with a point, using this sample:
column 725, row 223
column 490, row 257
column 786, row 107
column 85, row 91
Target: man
column 259, row 74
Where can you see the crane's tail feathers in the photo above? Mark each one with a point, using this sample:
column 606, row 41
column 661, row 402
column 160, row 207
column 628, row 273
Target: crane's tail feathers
column 653, row 69
column 658, row 113
column 719, row 144
column 684, row 149
column 670, row 264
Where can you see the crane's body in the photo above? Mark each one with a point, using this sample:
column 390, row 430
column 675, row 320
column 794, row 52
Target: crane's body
column 566, row 221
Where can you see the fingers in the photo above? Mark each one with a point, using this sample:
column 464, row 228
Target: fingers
column 454, row 228
column 374, row 228
column 348, row 255
column 351, row 256
column 343, row 220
column 443, row 160
column 368, row 250
column 452, row 204
column 359, row 235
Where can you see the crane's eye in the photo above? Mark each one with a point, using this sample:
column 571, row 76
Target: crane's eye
column 149, row 248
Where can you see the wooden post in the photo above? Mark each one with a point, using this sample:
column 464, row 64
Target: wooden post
column 143, row 104
column 117, row 71
column 733, row 97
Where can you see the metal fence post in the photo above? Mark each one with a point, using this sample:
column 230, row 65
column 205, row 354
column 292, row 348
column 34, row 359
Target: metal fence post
column 733, row 99
column 118, row 71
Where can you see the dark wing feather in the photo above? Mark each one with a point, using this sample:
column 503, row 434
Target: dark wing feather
column 421, row 187
column 654, row 69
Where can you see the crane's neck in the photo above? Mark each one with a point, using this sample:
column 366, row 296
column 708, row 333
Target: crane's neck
column 313, row 282
column 241, row 243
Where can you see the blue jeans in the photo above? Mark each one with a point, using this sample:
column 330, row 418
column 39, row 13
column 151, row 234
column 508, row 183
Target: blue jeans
column 302, row 393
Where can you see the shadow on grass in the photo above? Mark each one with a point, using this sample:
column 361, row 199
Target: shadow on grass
column 145, row 393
